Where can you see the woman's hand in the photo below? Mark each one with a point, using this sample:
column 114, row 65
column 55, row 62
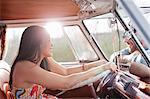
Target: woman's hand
column 111, row 66
column 108, row 66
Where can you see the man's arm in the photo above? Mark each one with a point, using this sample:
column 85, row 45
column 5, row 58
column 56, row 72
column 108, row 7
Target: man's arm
column 140, row 70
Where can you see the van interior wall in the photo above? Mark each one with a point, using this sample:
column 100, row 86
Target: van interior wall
column 0, row 8
column 36, row 9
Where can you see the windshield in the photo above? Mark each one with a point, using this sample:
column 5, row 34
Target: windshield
column 107, row 31
column 81, row 46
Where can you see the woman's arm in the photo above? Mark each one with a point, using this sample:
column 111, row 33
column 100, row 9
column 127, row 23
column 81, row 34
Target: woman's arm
column 139, row 70
column 57, row 68
column 37, row 75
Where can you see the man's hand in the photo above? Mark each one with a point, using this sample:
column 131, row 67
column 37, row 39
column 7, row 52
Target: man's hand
column 128, row 58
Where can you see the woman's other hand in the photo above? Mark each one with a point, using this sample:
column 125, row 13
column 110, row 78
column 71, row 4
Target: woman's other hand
column 111, row 66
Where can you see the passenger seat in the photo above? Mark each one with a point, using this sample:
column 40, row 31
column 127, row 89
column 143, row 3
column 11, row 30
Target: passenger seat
column 7, row 91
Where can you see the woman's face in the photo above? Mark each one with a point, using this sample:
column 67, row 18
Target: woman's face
column 47, row 47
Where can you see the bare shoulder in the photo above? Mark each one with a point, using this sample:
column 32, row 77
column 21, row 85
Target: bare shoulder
column 22, row 70
column 24, row 65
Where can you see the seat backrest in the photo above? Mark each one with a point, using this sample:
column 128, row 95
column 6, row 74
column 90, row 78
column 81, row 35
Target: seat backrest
column 7, row 91
column 2, row 95
column 9, row 95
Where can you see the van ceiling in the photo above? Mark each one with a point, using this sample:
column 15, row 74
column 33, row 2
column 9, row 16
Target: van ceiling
column 36, row 9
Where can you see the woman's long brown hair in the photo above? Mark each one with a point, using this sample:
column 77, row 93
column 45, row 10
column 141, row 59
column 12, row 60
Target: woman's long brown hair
column 2, row 38
column 30, row 46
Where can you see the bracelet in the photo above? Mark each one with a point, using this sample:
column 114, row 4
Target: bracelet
column 83, row 67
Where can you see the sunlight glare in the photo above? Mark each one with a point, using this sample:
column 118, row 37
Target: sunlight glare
column 54, row 29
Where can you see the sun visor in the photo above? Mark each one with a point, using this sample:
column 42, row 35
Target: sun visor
column 91, row 8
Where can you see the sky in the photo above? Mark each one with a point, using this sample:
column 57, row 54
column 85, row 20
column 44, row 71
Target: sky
column 142, row 2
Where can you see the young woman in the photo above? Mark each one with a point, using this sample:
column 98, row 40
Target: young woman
column 28, row 79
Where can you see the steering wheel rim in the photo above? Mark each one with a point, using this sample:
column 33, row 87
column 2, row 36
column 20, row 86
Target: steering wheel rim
column 106, row 80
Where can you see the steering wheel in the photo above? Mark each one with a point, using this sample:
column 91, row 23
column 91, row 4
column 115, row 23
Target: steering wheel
column 89, row 81
column 106, row 81
column 92, row 80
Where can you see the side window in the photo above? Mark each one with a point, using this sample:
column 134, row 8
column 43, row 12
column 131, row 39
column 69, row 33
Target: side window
column 13, row 36
column 62, row 52
column 61, row 48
